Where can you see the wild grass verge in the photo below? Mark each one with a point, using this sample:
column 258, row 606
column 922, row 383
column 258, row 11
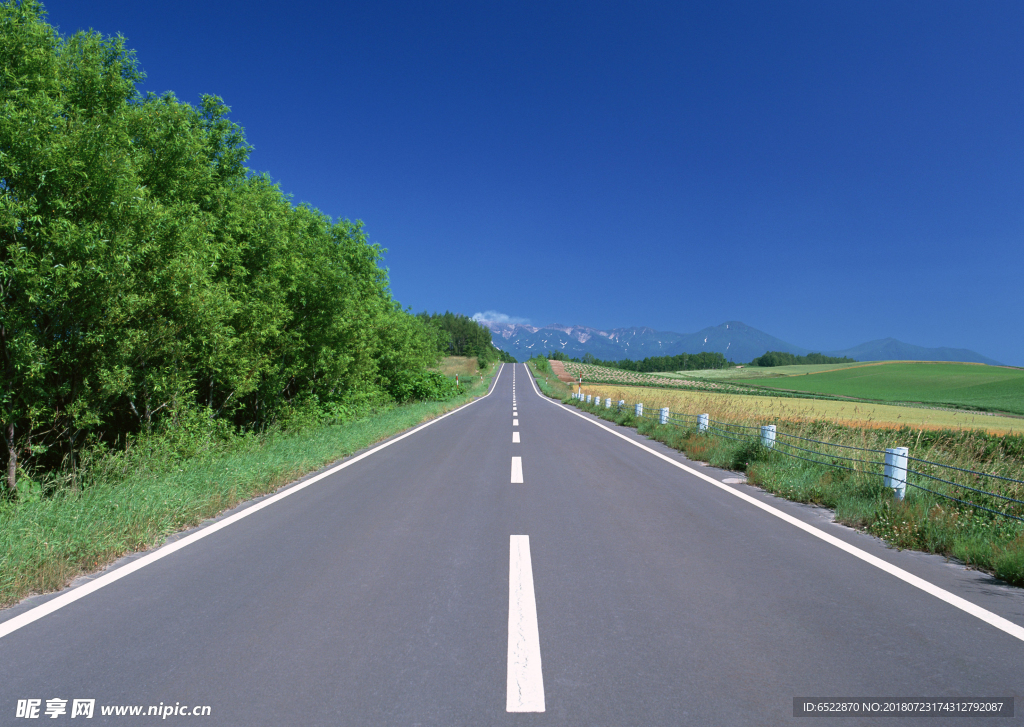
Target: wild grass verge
column 546, row 379
column 922, row 521
column 132, row 500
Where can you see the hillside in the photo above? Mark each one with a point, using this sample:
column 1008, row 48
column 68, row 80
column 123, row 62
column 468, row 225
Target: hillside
column 889, row 349
column 973, row 386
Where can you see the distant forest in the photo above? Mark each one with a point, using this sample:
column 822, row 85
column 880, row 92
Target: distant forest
column 700, row 361
column 681, row 362
column 781, row 358
column 459, row 335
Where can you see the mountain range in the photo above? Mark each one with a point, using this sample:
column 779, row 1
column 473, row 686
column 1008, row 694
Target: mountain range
column 737, row 341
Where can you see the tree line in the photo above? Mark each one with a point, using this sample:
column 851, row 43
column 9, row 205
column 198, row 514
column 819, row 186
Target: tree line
column 781, row 358
column 148, row 277
column 700, row 361
column 680, row 362
column 459, row 335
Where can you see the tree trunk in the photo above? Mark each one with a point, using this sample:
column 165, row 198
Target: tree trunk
column 12, row 462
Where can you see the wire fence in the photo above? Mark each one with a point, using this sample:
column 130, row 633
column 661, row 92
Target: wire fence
column 961, row 485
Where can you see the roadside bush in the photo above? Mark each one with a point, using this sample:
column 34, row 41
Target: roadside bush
column 423, row 386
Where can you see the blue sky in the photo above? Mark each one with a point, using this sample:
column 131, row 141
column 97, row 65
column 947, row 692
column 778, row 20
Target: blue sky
column 829, row 172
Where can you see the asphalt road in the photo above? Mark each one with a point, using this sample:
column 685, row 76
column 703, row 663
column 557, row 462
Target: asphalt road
column 423, row 585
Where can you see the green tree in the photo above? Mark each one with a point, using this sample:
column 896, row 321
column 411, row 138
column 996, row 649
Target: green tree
column 145, row 272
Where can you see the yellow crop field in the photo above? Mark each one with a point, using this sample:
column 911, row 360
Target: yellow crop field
column 751, row 409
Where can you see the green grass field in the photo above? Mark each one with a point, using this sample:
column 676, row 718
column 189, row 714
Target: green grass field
column 971, row 386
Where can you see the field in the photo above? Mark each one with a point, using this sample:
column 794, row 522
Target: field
column 971, row 386
column 965, row 464
column 462, row 365
column 758, row 372
column 745, row 408
column 617, row 376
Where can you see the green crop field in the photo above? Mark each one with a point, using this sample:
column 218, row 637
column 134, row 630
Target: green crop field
column 972, row 386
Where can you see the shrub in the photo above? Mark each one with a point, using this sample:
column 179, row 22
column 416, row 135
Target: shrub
column 422, row 386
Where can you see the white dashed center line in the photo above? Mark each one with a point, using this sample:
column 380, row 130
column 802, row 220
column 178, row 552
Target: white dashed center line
column 515, row 422
column 525, row 682
column 515, row 437
column 517, row 470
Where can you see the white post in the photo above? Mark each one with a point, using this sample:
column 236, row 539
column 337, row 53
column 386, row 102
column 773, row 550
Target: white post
column 702, row 422
column 588, row 398
column 622, row 403
column 639, row 409
column 608, row 403
column 896, row 470
column 768, row 436
column 663, row 419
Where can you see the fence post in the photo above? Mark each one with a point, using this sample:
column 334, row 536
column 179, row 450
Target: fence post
column 639, row 409
column 768, row 436
column 622, row 403
column 663, row 419
column 896, row 470
column 608, row 403
column 702, row 422
column 589, row 397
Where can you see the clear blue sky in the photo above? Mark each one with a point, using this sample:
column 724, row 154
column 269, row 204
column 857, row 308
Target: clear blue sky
column 829, row 172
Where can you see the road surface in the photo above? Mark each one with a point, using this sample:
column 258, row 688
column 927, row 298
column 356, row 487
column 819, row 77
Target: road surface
column 514, row 563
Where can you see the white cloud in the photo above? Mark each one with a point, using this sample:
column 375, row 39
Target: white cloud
column 493, row 316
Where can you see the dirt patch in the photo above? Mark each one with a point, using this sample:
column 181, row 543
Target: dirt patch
column 559, row 368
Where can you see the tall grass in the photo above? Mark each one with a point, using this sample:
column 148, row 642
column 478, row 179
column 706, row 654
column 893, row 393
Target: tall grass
column 127, row 501
column 546, row 379
column 922, row 521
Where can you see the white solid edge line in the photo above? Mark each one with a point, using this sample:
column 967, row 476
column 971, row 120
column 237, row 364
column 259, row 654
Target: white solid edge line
column 524, row 685
column 54, row 604
column 517, row 470
column 942, row 594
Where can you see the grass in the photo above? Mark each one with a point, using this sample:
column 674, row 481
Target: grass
column 461, row 365
column 973, row 386
column 132, row 501
column 605, row 374
column 922, row 521
column 767, row 409
column 546, row 379
column 758, row 372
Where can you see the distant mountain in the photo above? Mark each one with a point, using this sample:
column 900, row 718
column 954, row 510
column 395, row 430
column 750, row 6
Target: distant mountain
column 737, row 341
column 889, row 349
